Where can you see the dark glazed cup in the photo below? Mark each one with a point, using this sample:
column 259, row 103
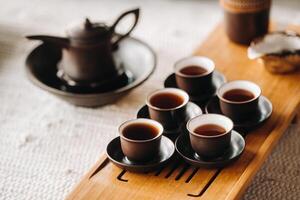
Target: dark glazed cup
column 170, row 118
column 214, row 145
column 246, row 19
column 141, row 150
column 239, row 111
column 195, row 84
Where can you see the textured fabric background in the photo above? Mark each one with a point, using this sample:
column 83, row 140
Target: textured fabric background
column 46, row 145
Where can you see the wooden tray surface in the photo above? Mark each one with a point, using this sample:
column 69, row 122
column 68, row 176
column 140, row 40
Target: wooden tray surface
column 182, row 181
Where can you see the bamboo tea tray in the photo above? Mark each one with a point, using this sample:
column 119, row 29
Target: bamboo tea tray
column 182, row 181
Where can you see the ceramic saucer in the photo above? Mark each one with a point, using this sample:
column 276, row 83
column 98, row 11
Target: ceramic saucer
column 218, row 80
column 136, row 57
column 265, row 107
column 184, row 148
column 115, row 154
column 192, row 110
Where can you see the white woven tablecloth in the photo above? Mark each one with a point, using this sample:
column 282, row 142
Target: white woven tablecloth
column 46, row 145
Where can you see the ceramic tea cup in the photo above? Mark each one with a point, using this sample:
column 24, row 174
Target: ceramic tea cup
column 210, row 134
column 140, row 139
column 194, row 74
column 239, row 99
column 168, row 106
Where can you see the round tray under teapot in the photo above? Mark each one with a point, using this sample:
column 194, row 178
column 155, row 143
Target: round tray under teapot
column 137, row 58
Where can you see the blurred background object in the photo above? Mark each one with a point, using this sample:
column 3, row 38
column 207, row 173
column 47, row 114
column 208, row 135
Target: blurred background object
column 246, row 20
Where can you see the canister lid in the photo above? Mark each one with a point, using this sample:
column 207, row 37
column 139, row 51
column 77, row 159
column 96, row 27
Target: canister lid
column 245, row 6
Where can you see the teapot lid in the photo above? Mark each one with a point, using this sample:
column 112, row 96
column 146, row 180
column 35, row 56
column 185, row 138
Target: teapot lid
column 88, row 31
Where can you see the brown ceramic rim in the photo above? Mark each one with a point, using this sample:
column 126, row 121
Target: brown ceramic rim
column 187, row 99
column 128, row 87
column 140, row 121
column 177, row 71
column 211, row 136
column 241, row 102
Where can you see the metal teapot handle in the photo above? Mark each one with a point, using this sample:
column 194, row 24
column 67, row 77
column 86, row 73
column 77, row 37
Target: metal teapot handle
column 136, row 13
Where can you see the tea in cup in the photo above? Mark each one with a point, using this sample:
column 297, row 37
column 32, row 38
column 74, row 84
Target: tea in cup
column 140, row 139
column 168, row 106
column 195, row 75
column 210, row 134
column 239, row 99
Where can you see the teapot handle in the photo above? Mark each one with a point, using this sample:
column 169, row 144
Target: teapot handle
column 136, row 13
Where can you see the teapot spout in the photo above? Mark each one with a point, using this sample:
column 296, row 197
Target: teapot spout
column 60, row 41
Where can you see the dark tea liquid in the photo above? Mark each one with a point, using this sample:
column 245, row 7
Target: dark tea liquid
column 238, row 95
column 140, row 131
column 193, row 70
column 166, row 100
column 209, row 130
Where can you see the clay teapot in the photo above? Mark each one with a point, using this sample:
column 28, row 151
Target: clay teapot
column 88, row 49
